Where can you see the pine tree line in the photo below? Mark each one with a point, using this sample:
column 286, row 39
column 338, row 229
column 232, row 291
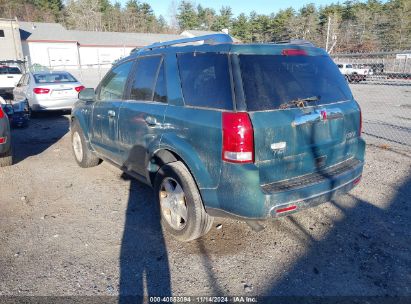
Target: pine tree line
column 352, row 26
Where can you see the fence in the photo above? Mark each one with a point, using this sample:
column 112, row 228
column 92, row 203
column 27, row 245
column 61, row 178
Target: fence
column 384, row 95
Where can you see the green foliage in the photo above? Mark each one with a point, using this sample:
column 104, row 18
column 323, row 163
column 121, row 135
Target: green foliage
column 355, row 25
column 187, row 16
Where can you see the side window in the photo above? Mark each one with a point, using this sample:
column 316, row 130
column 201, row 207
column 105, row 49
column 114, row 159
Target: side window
column 340, row 66
column 205, row 80
column 160, row 92
column 143, row 84
column 112, row 87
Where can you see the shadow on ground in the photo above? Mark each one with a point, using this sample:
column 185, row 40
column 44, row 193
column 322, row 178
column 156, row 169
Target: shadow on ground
column 144, row 267
column 43, row 130
column 365, row 253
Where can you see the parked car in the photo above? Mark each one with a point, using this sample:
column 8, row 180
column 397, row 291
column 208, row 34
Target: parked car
column 49, row 90
column 17, row 112
column 9, row 77
column 6, row 155
column 352, row 73
column 253, row 131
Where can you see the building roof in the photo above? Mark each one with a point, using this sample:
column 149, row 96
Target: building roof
column 86, row 38
column 34, row 31
column 55, row 32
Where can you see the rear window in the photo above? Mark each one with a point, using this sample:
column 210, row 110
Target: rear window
column 9, row 70
column 54, row 78
column 205, row 80
column 270, row 81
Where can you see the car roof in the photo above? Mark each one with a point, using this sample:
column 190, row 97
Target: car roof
column 251, row 48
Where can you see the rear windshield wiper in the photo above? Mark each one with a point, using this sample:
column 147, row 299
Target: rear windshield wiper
column 299, row 102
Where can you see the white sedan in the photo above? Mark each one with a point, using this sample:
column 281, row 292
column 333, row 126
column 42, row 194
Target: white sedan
column 48, row 90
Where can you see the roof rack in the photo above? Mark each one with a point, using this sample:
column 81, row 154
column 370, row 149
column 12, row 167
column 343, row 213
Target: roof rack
column 208, row 39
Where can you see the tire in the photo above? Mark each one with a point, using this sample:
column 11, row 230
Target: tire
column 197, row 222
column 6, row 159
column 82, row 154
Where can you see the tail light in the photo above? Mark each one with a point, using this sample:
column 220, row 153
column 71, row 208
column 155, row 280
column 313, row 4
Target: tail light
column 294, row 52
column 238, row 138
column 79, row 88
column 2, row 114
column 3, row 140
column 41, row 90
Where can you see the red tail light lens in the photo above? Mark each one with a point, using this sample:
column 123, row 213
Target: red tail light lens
column 294, row 52
column 3, row 140
column 80, row 88
column 1, row 112
column 41, row 90
column 238, row 138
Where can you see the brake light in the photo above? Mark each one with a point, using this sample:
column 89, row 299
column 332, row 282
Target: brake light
column 238, row 138
column 2, row 114
column 80, row 88
column 41, row 90
column 294, row 52
column 3, row 140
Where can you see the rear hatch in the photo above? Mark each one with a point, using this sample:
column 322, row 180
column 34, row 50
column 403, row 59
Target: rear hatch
column 302, row 111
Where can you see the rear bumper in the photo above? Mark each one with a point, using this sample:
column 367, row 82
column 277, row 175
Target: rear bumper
column 56, row 104
column 247, row 200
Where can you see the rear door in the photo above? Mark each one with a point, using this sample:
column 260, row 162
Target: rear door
column 294, row 137
column 106, row 110
column 142, row 114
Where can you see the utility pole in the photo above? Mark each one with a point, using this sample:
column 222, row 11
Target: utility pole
column 328, row 33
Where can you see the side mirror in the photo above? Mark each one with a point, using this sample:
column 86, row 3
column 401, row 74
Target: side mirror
column 87, row 94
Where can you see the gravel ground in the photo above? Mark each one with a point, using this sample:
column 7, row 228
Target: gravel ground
column 71, row 231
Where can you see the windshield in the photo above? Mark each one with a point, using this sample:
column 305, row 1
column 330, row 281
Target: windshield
column 272, row 80
column 9, row 70
column 54, row 78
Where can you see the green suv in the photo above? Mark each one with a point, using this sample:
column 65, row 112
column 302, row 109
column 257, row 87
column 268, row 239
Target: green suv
column 248, row 131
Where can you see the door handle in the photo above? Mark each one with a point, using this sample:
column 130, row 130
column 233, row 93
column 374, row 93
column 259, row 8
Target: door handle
column 151, row 121
column 111, row 113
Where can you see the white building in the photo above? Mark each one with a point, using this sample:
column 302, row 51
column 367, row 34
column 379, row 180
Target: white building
column 51, row 45
column 10, row 45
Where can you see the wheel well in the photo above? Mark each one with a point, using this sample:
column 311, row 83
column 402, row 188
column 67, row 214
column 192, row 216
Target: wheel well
column 163, row 157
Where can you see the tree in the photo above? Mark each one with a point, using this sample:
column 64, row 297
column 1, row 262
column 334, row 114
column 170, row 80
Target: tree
column 187, row 16
column 241, row 28
column 223, row 20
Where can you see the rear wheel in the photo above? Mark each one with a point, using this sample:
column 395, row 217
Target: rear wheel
column 182, row 210
column 84, row 157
